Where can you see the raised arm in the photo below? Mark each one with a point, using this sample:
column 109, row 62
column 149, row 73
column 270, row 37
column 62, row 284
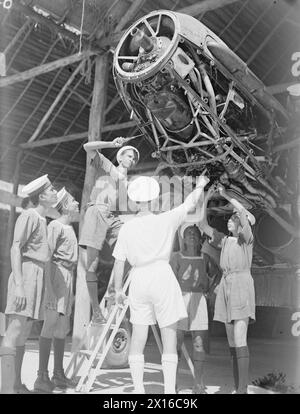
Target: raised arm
column 203, row 222
column 193, row 198
column 244, row 215
column 99, row 145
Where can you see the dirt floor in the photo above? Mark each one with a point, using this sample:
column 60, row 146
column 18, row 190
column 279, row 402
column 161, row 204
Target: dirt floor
column 267, row 356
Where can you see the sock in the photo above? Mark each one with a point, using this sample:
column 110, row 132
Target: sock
column 44, row 353
column 169, row 365
column 242, row 354
column 199, row 362
column 234, row 367
column 20, row 351
column 136, row 364
column 59, row 351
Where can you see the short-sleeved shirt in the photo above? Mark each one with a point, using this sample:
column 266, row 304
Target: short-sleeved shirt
column 110, row 188
column 62, row 243
column 191, row 272
column 149, row 238
column 30, row 235
column 237, row 252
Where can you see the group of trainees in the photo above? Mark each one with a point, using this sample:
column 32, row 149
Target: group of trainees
column 169, row 292
column 40, row 286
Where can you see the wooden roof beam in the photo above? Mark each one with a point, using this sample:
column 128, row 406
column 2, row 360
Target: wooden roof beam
column 74, row 137
column 193, row 10
column 52, row 26
column 47, row 67
column 204, row 6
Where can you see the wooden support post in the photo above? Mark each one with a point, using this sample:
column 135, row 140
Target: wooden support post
column 82, row 300
column 9, row 235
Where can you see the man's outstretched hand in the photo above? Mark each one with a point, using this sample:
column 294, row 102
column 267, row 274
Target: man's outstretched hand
column 202, row 181
column 119, row 141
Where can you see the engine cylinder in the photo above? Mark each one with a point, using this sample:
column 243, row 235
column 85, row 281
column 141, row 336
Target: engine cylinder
column 139, row 38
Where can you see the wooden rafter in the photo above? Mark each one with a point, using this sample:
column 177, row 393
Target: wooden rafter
column 28, row 84
column 55, row 102
column 268, row 37
column 18, row 35
column 68, row 96
column 47, row 67
column 205, row 6
column 74, row 137
column 131, row 12
column 52, row 161
column 53, row 27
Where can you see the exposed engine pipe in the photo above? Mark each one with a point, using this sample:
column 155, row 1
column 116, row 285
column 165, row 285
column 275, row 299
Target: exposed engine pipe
column 235, row 172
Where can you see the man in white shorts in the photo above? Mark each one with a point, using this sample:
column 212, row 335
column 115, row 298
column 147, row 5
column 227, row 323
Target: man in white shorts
column 154, row 294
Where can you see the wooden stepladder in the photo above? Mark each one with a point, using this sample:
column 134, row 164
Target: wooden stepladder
column 102, row 341
column 99, row 346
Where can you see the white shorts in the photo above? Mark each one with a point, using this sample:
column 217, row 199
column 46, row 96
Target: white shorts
column 197, row 319
column 155, row 295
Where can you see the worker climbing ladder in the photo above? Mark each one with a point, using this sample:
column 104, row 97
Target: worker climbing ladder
column 87, row 358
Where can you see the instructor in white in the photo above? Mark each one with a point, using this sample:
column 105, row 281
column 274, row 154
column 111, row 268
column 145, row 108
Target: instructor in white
column 154, row 293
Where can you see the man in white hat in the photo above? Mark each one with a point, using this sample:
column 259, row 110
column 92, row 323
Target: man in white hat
column 63, row 246
column 108, row 198
column 154, row 294
column 29, row 253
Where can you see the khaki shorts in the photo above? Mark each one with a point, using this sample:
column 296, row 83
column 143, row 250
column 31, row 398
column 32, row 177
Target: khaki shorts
column 34, row 287
column 196, row 307
column 62, row 281
column 98, row 226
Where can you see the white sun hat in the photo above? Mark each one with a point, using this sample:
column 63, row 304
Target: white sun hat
column 143, row 189
column 36, row 186
column 128, row 147
column 62, row 195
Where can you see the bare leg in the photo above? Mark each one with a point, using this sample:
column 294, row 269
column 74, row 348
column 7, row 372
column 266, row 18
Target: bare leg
column 20, row 351
column 136, row 356
column 14, row 332
column 180, row 340
column 169, row 357
column 199, row 357
column 92, row 282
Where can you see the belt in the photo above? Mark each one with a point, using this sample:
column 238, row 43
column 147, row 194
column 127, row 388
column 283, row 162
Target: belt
column 150, row 263
column 230, row 272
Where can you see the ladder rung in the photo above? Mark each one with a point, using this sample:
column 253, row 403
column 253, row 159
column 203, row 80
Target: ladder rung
column 87, row 352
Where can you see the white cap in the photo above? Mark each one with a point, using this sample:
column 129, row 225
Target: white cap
column 36, row 186
column 128, row 147
column 186, row 225
column 143, row 189
column 61, row 196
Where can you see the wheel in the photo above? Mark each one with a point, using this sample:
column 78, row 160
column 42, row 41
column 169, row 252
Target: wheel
column 117, row 356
